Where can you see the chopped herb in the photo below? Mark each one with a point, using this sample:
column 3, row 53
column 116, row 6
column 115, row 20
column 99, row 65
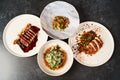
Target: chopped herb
column 54, row 57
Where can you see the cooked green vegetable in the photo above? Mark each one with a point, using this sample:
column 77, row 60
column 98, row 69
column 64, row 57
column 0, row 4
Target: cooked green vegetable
column 54, row 57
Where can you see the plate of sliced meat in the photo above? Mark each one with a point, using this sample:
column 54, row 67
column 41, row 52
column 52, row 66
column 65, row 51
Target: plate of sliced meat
column 23, row 35
column 92, row 44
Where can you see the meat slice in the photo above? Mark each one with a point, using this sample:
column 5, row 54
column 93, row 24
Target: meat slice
column 96, row 44
column 93, row 46
column 27, row 35
column 89, row 49
column 99, row 41
column 31, row 31
column 23, row 42
column 28, row 32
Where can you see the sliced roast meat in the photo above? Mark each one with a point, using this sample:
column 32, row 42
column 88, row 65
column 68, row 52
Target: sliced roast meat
column 99, row 42
column 27, row 35
column 93, row 46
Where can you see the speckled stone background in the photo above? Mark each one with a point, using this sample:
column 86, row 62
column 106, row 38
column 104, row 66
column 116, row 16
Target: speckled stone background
column 106, row 12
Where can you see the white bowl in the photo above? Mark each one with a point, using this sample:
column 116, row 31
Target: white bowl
column 14, row 27
column 59, row 8
column 67, row 65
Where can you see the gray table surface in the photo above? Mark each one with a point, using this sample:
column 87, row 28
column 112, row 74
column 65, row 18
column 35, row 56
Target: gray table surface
column 106, row 12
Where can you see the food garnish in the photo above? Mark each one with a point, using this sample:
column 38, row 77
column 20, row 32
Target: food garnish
column 60, row 22
column 89, row 42
column 55, row 57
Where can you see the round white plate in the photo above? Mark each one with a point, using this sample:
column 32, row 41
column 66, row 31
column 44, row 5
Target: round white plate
column 68, row 63
column 59, row 8
column 103, row 55
column 14, row 27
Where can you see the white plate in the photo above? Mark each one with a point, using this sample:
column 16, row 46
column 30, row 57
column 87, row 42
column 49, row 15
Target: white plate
column 68, row 63
column 59, row 8
column 14, row 27
column 103, row 55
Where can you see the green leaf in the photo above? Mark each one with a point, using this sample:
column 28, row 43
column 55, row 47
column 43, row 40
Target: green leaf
column 61, row 27
column 84, row 37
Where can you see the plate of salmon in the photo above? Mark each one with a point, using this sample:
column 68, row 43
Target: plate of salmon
column 92, row 44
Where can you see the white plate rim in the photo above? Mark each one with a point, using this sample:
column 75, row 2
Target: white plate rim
column 111, row 40
column 50, row 35
column 4, row 35
column 38, row 55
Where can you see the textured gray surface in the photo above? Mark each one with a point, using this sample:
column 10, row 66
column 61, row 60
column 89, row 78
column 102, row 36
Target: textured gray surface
column 106, row 12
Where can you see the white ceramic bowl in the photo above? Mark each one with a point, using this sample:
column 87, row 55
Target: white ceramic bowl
column 67, row 65
column 59, row 8
column 15, row 26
